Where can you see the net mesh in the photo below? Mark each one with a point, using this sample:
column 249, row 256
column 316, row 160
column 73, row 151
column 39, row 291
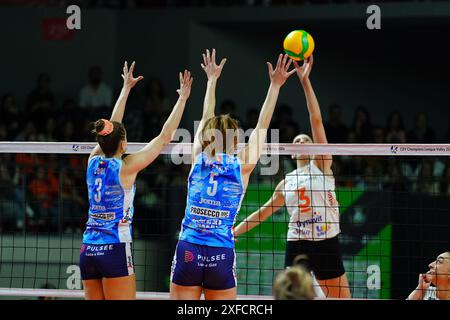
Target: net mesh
column 393, row 203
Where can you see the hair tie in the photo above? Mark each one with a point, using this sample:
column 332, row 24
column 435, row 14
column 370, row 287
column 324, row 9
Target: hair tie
column 107, row 129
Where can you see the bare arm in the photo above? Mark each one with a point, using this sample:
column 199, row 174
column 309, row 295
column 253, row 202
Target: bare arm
column 141, row 159
column 129, row 81
column 422, row 286
column 213, row 72
column 323, row 162
column 251, row 153
column 270, row 207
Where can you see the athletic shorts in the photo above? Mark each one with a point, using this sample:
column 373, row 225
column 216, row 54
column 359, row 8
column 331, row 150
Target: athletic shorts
column 106, row 261
column 324, row 257
column 212, row 268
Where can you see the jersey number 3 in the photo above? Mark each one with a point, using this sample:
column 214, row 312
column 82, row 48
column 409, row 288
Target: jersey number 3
column 98, row 192
column 304, row 200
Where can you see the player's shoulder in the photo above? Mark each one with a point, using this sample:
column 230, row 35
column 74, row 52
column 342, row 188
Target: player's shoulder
column 293, row 173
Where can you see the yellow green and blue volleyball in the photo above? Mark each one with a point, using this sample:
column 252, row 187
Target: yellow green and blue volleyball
column 298, row 45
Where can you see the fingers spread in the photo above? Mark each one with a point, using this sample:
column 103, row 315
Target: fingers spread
column 285, row 59
column 292, row 72
column 279, row 60
column 288, row 64
column 269, row 65
column 208, row 56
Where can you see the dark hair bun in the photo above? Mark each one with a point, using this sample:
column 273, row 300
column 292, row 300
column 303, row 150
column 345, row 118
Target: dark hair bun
column 99, row 125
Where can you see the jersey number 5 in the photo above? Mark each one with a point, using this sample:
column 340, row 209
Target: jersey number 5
column 304, row 200
column 211, row 191
column 98, row 193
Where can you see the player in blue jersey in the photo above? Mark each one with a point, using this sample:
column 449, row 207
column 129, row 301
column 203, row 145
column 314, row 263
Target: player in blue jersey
column 106, row 259
column 204, row 260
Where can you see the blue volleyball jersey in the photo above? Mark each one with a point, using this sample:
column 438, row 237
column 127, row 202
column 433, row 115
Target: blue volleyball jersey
column 215, row 193
column 110, row 205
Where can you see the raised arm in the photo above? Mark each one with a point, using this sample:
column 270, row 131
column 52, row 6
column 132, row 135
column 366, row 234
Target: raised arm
column 251, row 153
column 137, row 161
column 323, row 162
column 129, row 81
column 213, row 72
column 270, row 207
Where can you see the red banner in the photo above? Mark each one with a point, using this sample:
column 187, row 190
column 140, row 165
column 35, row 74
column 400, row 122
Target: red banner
column 55, row 29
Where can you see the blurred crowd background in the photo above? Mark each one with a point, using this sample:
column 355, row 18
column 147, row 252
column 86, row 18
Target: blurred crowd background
column 43, row 185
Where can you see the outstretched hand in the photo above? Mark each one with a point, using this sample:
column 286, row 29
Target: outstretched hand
column 129, row 81
column 280, row 74
column 304, row 70
column 185, row 85
column 209, row 65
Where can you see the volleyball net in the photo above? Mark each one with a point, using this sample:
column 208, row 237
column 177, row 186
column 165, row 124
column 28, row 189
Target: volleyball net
column 393, row 200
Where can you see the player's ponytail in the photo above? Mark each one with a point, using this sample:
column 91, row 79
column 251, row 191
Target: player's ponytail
column 109, row 134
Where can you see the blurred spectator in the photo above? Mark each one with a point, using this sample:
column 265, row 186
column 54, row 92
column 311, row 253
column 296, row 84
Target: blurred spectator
column 251, row 119
column 28, row 132
column 335, row 129
column 96, row 95
column 289, row 129
column 379, row 135
column 426, row 182
column 421, row 132
column 444, row 186
column 395, row 130
column 73, row 205
column 156, row 109
column 11, row 116
column 49, row 133
column 394, row 179
column 228, row 106
column 362, row 126
column 3, row 132
column 447, row 136
column 44, row 190
column 9, row 205
column 41, row 101
column 69, row 111
column 68, row 132
column 351, row 137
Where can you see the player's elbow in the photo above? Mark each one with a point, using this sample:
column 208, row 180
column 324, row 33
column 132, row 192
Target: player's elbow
column 165, row 137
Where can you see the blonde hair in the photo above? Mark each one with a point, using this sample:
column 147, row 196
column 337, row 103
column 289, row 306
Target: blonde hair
column 218, row 128
column 294, row 283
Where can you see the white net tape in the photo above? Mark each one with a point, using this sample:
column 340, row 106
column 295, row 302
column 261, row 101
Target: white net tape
column 269, row 148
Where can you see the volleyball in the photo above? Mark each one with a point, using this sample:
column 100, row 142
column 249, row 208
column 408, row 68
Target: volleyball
column 298, row 45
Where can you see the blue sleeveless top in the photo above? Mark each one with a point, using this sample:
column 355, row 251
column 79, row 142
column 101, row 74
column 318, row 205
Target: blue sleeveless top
column 110, row 205
column 215, row 193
